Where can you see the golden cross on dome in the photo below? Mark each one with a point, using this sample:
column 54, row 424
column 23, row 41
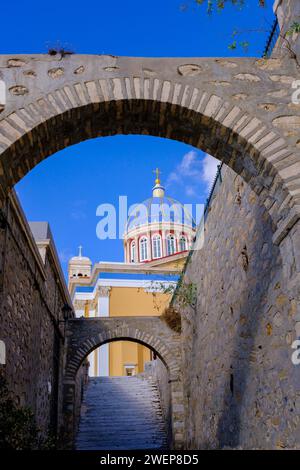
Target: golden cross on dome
column 157, row 172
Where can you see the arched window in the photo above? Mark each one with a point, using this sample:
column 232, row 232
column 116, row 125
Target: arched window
column 182, row 243
column 143, row 249
column 132, row 252
column 156, row 246
column 170, row 244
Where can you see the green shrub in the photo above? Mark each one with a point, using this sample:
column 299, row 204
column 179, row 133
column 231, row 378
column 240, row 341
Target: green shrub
column 18, row 430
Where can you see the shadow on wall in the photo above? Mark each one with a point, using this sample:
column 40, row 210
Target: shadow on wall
column 235, row 351
column 159, row 372
column 248, row 345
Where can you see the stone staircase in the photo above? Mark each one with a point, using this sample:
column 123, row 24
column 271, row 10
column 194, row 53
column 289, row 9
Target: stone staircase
column 121, row 413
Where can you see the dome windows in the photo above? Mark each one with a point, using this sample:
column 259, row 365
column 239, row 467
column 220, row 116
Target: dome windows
column 171, row 248
column 132, row 252
column 143, row 249
column 156, row 246
column 182, row 243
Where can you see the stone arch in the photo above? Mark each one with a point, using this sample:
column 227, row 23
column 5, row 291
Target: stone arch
column 85, row 335
column 205, row 102
column 87, row 345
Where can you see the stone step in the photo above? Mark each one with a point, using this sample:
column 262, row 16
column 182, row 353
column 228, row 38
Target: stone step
column 121, row 413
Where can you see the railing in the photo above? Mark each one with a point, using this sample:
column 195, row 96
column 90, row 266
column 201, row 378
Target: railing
column 214, row 189
column 212, row 194
column 272, row 39
column 215, row 186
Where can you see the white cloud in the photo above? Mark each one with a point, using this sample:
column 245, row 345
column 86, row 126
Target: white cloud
column 192, row 170
column 210, row 167
column 190, row 165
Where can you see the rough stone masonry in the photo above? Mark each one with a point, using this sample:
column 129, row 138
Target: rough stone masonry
column 237, row 341
column 33, row 293
column 241, row 388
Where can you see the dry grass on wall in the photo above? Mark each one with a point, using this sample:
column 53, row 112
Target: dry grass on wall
column 172, row 318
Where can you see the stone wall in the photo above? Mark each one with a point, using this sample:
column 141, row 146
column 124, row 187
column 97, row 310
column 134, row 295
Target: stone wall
column 240, row 386
column 33, row 294
column 288, row 13
column 82, row 378
column 159, row 372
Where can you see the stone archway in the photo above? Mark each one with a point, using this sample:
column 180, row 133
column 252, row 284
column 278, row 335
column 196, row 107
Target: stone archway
column 239, row 110
column 234, row 109
column 85, row 335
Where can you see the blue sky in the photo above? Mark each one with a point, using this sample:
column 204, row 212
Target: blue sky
column 67, row 187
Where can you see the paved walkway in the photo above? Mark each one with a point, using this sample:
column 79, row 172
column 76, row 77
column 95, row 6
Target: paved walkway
column 121, row 413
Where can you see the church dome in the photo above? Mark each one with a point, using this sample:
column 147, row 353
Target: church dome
column 158, row 228
column 159, row 209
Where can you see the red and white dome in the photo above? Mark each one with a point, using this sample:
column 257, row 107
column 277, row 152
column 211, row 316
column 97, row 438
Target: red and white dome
column 159, row 227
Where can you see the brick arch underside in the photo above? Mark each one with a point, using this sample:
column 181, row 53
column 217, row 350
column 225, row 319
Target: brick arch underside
column 79, row 352
column 233, row 137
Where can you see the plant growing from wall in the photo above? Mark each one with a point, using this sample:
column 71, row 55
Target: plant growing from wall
column 171, row 316
column 17, row 426
column 184, row 294
column 18, row 430
column 294, row 29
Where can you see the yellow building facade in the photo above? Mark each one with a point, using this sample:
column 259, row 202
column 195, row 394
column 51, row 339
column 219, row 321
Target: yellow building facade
column 157, row 239
column 118, row 298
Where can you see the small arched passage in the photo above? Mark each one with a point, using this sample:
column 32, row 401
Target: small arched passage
column 85, row 335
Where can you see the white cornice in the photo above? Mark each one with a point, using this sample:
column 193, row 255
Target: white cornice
column 157, row 226
column 124, row 268
column 149, row 286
